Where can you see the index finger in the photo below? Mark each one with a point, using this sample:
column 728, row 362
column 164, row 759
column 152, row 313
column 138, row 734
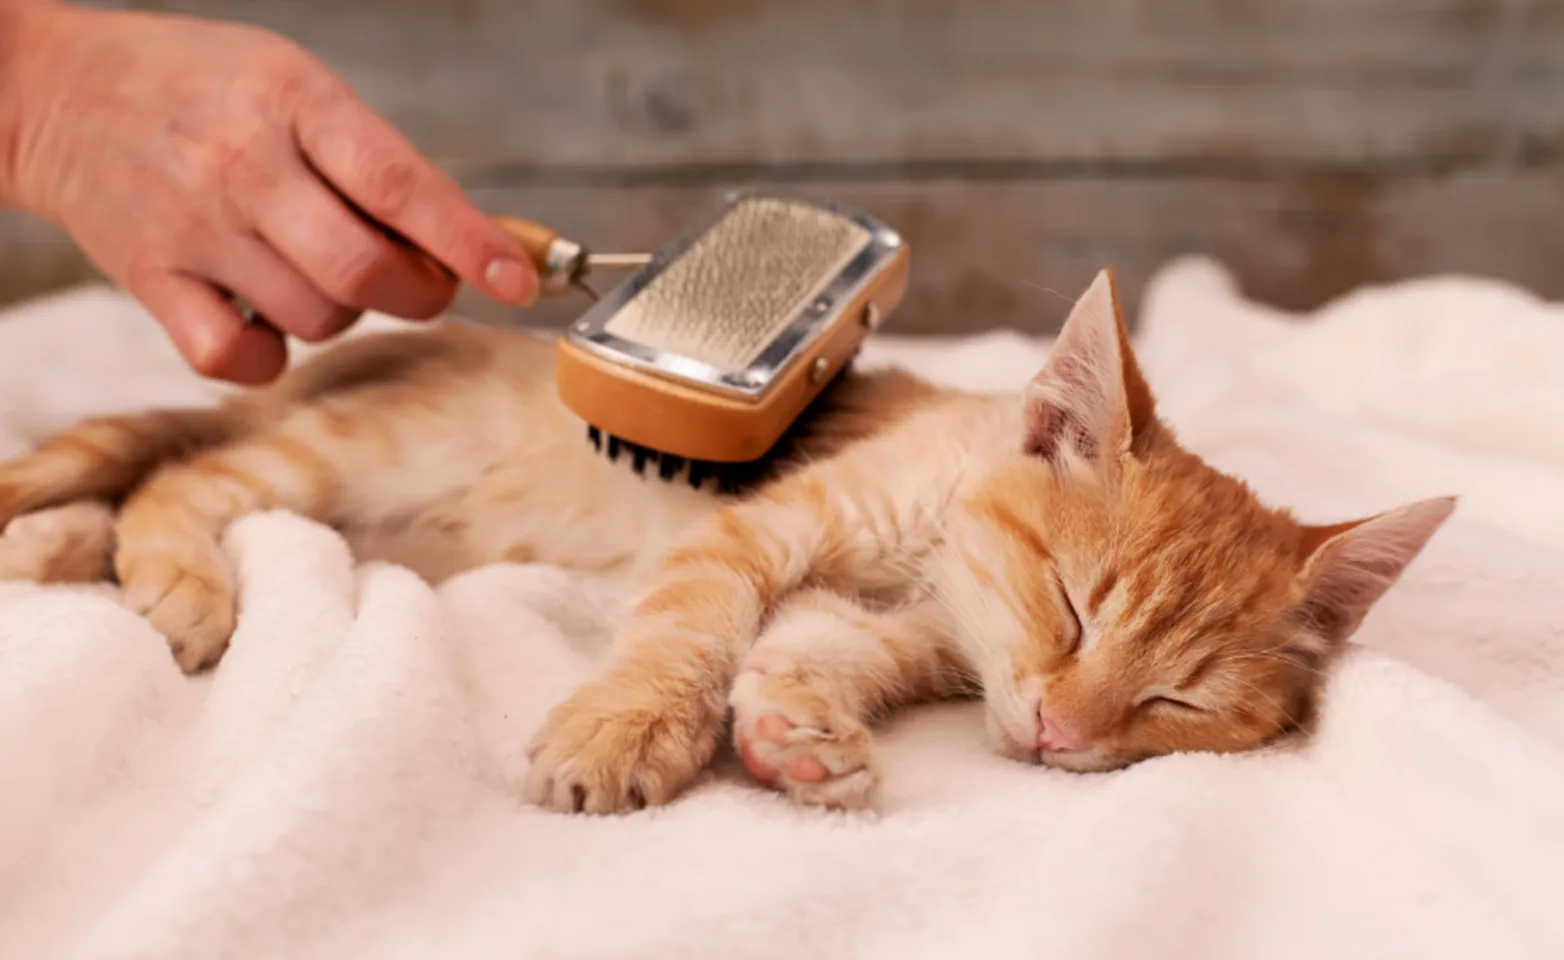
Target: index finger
column 376, row 169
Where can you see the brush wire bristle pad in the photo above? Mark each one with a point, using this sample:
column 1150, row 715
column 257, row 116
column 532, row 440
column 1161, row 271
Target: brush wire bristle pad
column 711, row 351
column 740, row 283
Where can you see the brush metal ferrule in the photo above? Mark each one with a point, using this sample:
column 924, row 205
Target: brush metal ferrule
column 563, row 265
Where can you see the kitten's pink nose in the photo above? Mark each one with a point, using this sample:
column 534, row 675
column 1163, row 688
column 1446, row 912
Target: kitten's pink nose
column 1056, row 737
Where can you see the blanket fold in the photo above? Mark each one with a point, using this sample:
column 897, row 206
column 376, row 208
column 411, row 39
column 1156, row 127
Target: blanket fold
column 347, row 782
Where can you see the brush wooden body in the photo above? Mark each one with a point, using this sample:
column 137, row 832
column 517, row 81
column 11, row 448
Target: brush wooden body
column 711, row 352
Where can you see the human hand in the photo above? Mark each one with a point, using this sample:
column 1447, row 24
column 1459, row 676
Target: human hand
column 192, row 160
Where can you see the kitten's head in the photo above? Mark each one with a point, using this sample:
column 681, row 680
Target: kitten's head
column 1123, row 599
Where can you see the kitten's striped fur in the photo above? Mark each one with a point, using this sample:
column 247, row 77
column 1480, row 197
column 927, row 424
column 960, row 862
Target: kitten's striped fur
column 1110, row 595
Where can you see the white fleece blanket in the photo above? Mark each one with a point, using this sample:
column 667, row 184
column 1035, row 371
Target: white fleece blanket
column 346, row 784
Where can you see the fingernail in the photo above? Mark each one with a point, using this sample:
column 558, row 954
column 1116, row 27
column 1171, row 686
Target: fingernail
column 511, row 281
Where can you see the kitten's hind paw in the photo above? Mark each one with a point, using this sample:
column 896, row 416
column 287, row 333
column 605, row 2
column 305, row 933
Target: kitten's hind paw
column 68, row 544
column 792, row 738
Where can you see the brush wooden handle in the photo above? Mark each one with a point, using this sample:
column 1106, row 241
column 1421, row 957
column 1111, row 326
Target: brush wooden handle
column 534, row 238
column 559, row 261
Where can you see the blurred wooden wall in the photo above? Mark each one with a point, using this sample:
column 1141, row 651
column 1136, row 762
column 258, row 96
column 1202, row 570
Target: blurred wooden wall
column 1019, row 144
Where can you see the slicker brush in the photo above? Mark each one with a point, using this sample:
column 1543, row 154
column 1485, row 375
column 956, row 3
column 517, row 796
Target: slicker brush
column 700, row 360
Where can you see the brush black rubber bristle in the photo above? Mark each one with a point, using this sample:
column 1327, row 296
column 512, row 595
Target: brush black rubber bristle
column 730, row 478
column 640, row 455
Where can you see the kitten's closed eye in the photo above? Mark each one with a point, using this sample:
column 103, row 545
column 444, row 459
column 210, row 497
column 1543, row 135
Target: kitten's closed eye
column 1167, row 701
column 1073, row 631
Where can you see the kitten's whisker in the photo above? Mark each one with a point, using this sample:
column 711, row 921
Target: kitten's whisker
column 1289, row 661
column 1268, row 699
column 1266, row 656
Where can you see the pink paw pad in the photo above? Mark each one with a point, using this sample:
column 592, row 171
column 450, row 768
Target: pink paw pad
column 763, row 772
column 774, row 727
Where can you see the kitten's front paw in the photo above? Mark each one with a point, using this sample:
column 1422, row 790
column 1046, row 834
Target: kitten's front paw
column 613, row 748
column 190, row 603
column 792, row 738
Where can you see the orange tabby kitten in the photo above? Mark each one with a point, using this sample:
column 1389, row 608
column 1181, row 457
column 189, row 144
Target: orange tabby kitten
column 1110, row 596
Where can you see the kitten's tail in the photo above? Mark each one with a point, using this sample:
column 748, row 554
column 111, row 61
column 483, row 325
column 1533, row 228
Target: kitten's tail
column 105, row 457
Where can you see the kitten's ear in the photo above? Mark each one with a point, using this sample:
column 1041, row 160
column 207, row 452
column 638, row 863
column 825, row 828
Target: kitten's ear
column 1347, row 567
column 1090, row 395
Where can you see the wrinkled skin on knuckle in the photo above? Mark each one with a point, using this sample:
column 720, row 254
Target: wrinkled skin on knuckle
column 375, row 175
column 322, row 323
column 386, row 184
column 277, row 77
column 350, row 275
column 232, row 161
